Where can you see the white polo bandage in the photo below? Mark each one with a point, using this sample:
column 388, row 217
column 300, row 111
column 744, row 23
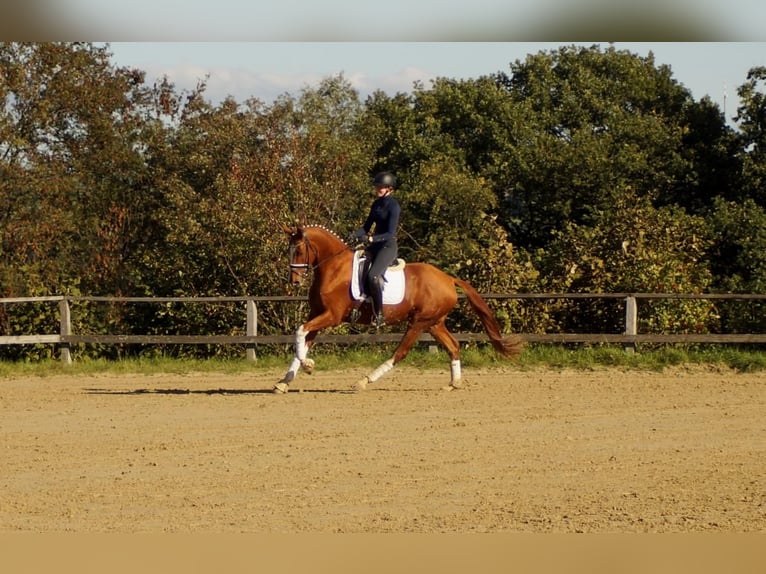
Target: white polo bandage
column 381, row 370
column 301, row 350
column 455, row 369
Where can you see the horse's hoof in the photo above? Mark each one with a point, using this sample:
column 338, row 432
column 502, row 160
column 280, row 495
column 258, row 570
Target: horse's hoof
column 454, row 386
column 308, row 366
column 361, row 384
column 281, row 388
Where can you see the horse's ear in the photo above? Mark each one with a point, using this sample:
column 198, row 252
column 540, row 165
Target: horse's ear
column 294, row 233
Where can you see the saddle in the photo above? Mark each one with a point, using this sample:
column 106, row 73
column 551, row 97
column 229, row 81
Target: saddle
column 393, row 286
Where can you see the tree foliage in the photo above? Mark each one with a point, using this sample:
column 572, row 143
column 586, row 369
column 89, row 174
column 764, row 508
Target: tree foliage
column 637, row 249
column 752, row 122
column 589, row 124
column 70, row 169
column 577, row 169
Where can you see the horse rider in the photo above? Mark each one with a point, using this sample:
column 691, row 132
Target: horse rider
column 381, row 244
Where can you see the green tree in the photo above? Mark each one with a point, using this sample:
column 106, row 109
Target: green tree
column 231, row 175
column 391, row 125
column 736, row 255
column 633, row 247
column 736, row 259
column 442, row 142
column 445, row 214
column 70, row 167
column 589, row 124
column 713, row 169
column 751, row 120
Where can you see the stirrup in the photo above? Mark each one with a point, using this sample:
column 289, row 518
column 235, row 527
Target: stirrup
column 380, row 320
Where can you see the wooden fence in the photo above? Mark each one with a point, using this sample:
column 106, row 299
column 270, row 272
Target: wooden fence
column 65, row 338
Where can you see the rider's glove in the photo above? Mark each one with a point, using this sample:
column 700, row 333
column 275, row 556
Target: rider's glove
column 357, row 236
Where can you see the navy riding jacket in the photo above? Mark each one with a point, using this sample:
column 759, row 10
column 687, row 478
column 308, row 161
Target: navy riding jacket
column 384, row 213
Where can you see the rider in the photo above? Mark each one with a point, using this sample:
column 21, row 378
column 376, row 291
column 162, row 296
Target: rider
column 382, row 245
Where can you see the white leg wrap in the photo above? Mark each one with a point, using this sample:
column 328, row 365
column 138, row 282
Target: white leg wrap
column 292, row 370
column 300, row 344
column 455, row 369
column 380, row 371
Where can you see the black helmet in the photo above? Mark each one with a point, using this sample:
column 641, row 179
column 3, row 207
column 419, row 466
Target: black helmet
column 384, row 179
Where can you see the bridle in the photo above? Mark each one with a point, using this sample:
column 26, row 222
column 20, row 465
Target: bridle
column 306, row 266
column 291, row 251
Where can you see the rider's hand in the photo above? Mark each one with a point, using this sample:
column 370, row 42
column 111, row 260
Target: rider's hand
column 356, row 236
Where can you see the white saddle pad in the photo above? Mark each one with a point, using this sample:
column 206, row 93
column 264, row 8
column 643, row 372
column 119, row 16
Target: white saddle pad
column 393, row 287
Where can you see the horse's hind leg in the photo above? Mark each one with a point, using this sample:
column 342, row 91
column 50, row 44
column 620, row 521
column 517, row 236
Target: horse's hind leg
column 409, row 339
column 443, row 336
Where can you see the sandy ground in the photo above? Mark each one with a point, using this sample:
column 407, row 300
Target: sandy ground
column 516, row 451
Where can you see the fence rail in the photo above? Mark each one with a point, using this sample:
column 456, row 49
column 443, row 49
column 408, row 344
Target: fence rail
column 65, row 338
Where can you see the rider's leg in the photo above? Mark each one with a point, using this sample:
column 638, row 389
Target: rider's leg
column 376, row 293
column 383, row 259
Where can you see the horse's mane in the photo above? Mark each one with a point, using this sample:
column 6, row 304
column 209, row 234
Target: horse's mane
column 323, row 228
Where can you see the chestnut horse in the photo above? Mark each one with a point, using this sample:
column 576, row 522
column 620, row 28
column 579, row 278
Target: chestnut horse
column 429, row 296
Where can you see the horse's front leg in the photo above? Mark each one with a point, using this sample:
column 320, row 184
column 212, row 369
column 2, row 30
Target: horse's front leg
column 304, row 338
column 299, row 361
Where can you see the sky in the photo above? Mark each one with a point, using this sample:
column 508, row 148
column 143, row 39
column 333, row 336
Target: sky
column 265, row 70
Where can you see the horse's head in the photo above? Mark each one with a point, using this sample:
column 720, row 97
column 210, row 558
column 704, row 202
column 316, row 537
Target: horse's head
column 311, row 247
column 300, row 254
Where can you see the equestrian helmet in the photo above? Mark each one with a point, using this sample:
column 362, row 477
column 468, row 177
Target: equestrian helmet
column 384, row 179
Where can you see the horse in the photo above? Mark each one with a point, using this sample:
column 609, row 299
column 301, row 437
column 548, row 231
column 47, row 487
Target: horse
column 429, row 296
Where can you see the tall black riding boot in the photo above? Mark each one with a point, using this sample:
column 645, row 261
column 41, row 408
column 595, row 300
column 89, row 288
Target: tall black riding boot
column 376, row 292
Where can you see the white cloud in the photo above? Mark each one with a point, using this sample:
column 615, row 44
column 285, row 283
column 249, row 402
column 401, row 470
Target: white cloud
column 243, row 84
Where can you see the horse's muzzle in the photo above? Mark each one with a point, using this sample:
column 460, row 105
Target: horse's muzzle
column 297, row 272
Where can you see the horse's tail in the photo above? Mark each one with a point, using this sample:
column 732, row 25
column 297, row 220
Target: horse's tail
column 508, row 346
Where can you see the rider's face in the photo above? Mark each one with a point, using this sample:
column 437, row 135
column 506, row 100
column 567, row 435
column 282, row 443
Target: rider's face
column 382, row 191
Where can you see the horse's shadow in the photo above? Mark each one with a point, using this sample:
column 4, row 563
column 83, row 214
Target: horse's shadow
column 220, row 391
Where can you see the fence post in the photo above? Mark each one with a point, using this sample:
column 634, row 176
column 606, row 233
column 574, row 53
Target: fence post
column 65, row 328
column 631, row 321
column 252, row 329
